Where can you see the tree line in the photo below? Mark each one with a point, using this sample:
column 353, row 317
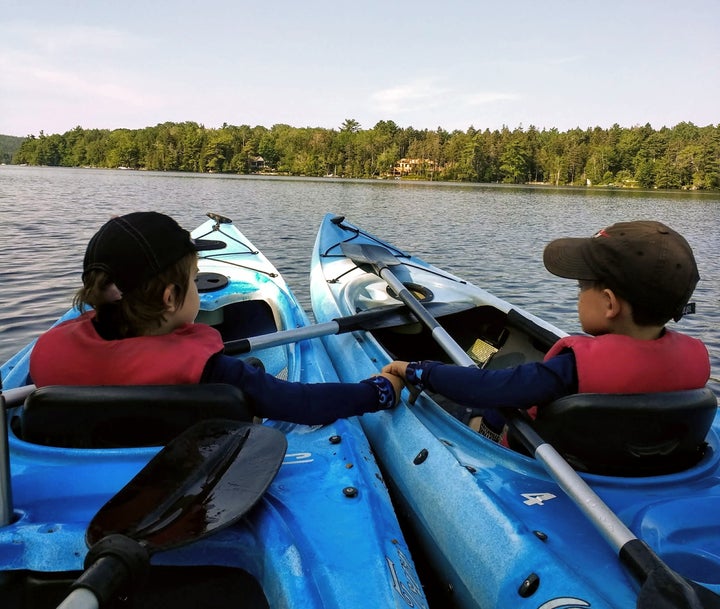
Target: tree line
column 9, row 145
column 681, row 157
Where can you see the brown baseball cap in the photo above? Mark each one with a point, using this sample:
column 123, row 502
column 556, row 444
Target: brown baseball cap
column 645, row 262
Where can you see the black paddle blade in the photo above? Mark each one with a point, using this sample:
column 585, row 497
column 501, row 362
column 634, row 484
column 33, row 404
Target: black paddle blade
column 665, row 589
column 368, row 253
column 204, row 480
column 661, row 587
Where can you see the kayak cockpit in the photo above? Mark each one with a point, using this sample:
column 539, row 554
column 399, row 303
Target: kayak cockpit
column 241, row 319
column 643, row 434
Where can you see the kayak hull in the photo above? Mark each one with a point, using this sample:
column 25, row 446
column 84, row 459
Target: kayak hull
column 495, row 528
column 325, row 519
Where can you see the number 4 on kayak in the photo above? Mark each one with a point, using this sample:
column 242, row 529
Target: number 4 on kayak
column 537, row 498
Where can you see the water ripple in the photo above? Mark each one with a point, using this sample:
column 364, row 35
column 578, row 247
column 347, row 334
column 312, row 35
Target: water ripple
column 490, row 235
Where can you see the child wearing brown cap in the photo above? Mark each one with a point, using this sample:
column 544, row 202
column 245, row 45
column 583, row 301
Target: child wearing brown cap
column 138, row 280
column 633, row 277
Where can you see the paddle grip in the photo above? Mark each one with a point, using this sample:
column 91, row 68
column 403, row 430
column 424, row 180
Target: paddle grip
column 114, row 563
column 240, row 345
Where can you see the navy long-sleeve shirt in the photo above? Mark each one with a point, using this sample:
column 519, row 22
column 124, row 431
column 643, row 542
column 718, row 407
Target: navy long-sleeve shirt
column 482, row 390
column 521, row 386
column 308, row 403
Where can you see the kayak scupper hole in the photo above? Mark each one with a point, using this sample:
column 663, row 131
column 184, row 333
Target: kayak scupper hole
column 529, row 585
column 421, row 456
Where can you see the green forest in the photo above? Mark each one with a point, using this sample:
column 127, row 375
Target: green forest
column 9, row 145
column 681, row 157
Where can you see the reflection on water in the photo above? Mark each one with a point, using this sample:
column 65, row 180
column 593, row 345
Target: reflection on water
column 490, row 235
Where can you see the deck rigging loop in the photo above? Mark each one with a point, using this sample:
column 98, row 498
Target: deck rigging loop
column 338, row 221
column 219, row 258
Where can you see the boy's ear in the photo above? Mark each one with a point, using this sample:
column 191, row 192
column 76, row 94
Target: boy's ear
column 613, row 304
column 169, row 298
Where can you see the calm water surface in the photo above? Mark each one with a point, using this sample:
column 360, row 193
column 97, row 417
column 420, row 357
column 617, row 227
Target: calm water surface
column 490, row 235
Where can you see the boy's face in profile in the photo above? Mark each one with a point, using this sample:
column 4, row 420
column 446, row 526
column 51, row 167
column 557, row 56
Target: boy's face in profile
column 592, row 306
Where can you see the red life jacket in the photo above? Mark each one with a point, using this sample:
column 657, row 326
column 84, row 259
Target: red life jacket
column 613, row 363
column 73, row 353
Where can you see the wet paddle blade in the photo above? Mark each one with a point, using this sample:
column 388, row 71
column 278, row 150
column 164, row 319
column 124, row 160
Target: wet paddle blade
column 204, row 480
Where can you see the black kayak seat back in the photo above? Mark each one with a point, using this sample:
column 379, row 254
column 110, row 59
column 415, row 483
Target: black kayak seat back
column 111, row 416
column 630, row 435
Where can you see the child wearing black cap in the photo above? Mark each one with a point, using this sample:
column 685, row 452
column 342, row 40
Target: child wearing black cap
column 633, row 277
column 138, row 280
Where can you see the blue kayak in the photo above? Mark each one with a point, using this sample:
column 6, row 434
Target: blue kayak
column 324, row 535
column 506, row 526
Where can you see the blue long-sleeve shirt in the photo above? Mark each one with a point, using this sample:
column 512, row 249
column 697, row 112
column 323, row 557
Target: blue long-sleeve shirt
column 308, row 403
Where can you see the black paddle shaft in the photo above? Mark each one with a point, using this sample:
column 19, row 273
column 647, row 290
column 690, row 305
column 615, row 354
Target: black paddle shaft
column 371, row 319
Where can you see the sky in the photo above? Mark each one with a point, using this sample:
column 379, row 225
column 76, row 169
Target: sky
column 451, row 64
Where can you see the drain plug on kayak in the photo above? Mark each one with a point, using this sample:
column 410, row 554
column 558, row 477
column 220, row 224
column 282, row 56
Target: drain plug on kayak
column 350, row 491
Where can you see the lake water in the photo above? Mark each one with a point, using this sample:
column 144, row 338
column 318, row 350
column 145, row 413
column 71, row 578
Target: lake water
column 491, row 235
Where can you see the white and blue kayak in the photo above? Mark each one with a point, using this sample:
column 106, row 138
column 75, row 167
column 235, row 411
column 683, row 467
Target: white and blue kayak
column 559, row 519
column 323, row 535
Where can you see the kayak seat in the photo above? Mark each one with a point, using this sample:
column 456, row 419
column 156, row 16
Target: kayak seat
column 123, row 416
column 645, row 434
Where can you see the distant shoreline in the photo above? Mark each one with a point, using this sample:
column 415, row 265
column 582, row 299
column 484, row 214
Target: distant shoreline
column 684, row 157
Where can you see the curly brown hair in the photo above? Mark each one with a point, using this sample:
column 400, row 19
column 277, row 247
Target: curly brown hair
column 140, row 311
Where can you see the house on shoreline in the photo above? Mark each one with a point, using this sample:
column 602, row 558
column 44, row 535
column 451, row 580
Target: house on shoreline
column 420, row 167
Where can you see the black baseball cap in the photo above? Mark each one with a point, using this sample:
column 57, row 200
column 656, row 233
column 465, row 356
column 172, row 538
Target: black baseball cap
column 645, row 262
column 136, row 247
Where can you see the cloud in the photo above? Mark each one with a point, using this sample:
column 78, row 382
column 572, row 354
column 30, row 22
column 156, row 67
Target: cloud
column 45, row 82
column 59, row 39
column 424, row 95
column 70, row 64
column 487, row 97
column 409, row 97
